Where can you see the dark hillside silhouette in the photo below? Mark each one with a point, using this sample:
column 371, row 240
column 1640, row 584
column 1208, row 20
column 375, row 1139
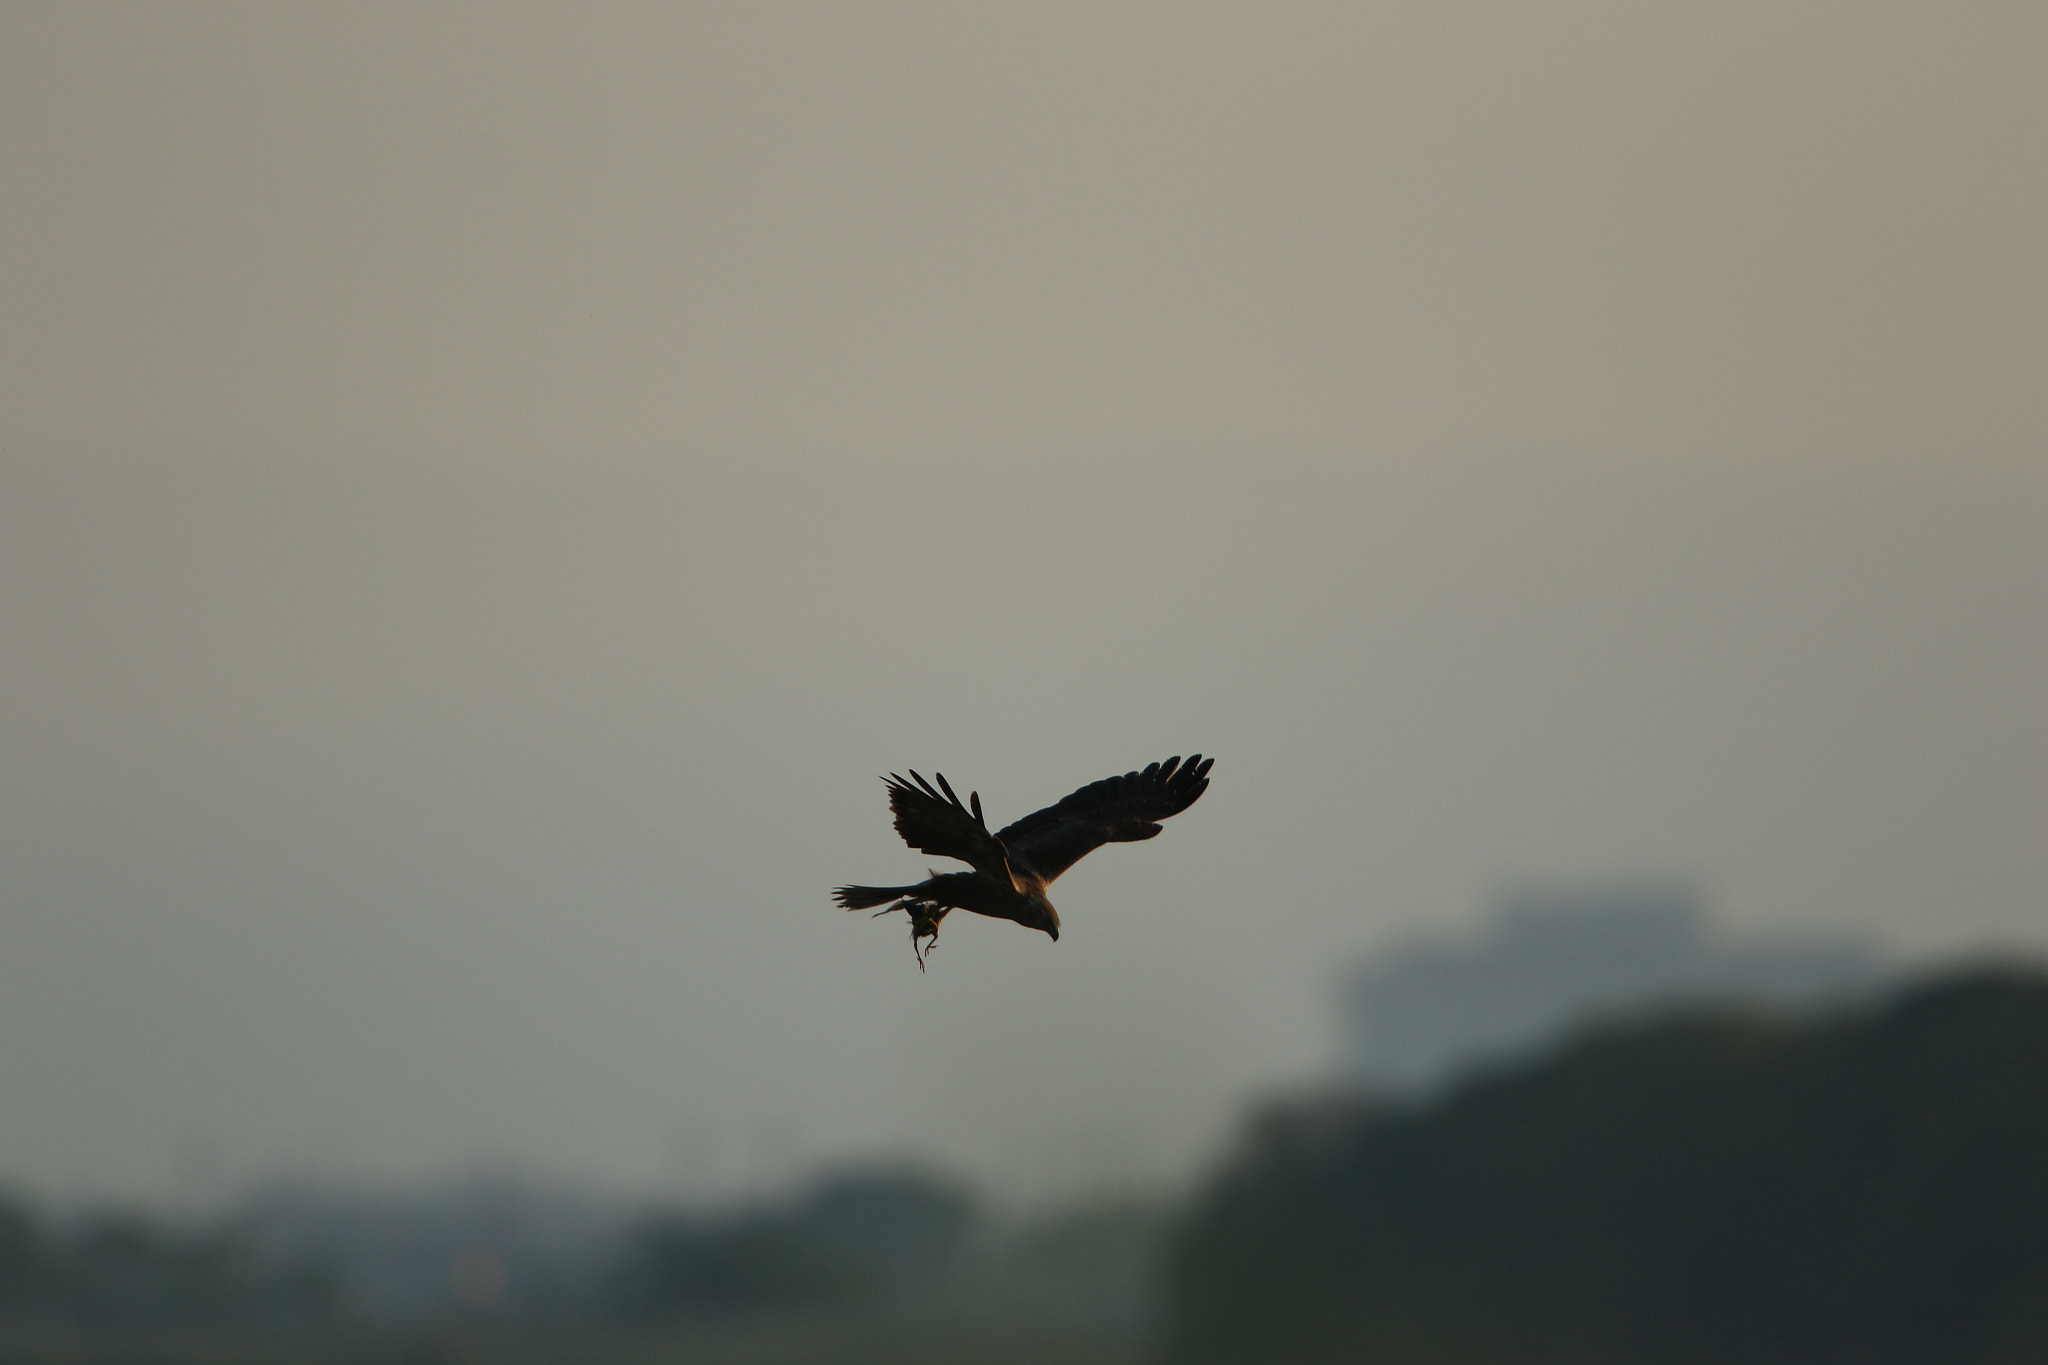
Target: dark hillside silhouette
column 1709, row 1189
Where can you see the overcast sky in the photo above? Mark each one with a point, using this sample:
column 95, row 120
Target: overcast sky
column 486, row 490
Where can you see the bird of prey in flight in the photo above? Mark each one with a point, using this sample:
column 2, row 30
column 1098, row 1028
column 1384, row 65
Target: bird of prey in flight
column 1013, row 866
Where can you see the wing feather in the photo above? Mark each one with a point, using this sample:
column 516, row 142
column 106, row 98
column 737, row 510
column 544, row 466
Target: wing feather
column 1115, row 810
column 935, row 823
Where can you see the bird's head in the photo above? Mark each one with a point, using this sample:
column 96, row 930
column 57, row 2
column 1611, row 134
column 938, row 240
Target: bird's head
column 1043, row 916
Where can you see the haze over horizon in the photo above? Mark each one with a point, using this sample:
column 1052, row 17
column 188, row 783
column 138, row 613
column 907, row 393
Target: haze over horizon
column 485, row 491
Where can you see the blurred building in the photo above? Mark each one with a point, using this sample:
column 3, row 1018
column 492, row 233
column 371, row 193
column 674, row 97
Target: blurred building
column 1551, row 960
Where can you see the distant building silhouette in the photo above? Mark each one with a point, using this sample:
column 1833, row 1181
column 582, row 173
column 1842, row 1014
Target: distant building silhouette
column 1554, row 959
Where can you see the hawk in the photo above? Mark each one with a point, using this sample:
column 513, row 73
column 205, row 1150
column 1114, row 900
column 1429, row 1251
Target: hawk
column 1013, row 866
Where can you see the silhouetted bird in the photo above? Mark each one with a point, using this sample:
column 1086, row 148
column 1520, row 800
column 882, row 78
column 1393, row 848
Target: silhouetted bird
column 1013, row 866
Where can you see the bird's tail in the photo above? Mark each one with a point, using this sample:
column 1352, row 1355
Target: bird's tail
column 867, row 897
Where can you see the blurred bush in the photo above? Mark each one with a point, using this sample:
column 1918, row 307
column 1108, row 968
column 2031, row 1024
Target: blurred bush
column 864, row 1239
column 1708, row 1189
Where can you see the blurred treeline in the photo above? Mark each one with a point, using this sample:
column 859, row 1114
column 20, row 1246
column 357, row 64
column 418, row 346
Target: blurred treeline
column 116, row 1272
column 883, row 1265
column 1710, row 1188
column 1704, row 1187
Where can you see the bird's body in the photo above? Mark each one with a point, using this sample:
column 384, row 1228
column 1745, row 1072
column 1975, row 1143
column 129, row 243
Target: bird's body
column 1013, row 867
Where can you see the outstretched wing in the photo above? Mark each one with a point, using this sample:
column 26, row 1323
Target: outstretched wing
column 932, row 822
column 1116, row 810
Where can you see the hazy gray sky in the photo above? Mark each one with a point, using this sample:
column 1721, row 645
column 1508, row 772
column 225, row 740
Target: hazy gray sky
column 485, row 491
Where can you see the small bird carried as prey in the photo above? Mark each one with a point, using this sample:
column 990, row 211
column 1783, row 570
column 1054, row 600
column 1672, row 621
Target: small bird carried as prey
column 1013, row 866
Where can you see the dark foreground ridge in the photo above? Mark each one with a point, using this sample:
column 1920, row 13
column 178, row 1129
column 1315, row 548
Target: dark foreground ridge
column 1713, row 1189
